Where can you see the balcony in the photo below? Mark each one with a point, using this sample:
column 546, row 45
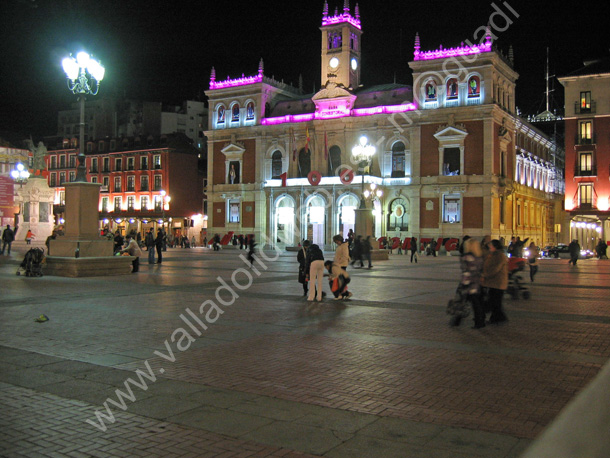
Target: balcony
column 104, row 188
column 579, row 109
column 93, row 170
column 589, row 171
column 585, row 139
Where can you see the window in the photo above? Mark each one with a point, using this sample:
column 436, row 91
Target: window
column 334, row 161
column 117, row 204
column 72, row 177
column 157, row 183
column 118, row 165
column 585, row 102
column 144, row 163
column 452, row 89
column 235, row 113
column 585, row 164
column 62, row 162
column 474, row 86
column 105, row 204
column 518, row 214
column 250, row 111
column 117, row 184
column 451, row 161
column 105, row 182
column 158, row 204
column 430, row 91
column 72, row 161
column 398, row 160
column 144, row 183
column 304, row 163
column 62, row 198
column 335, row 39
column 53, row 162
column 585, row 132
column 503, row 164
column 585, row 195
column 89, row 147
column 94, row 165
column 398, row 219
column 62, row 178
column 451, row 209
column 131, row 201
column 106, row 167
column 131, row 183
column 502, row 204
column 93, row 179
column 220, row 115
column 53, row 179
column 276, row 164
column 233, row 212
column 143, row 203
column 131, row 163
column 157, row 161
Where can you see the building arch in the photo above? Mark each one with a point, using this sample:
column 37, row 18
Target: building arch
column 315, row 219
column 399, row 214
column 284, row 220
column 347, row 203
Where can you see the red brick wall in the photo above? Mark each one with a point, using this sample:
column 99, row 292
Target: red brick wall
column 473, row 212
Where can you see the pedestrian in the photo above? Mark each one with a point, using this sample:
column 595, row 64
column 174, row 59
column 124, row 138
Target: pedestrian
column 495, row 279
column 159, row 245
column 241, row 241
column 601, row 249
column 216, row 244
column 432, row 247
column 399, row 251
column 315, row 270
column 532, row 260
column 118, row 241
column 342, row 252
column 484, row 246
column 366, row 251
column 149, row 241
column 302, row 260
column 511, row 247
column 413, row 249
column 357, row 252
column 574, row 250
column 28, row 237
column 47, row 242
column 193, row 242
column 139, row 238
column 471, row 265
column 7, row 239
column 338, row 280
column 461, row 247
column 251, row 248
column 133, row 249
column 518, row 247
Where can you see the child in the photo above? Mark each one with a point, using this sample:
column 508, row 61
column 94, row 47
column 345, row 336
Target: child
column 338, row 280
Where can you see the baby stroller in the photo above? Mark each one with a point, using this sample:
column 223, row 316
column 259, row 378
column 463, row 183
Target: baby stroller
column 516, row 286
column 32, row 263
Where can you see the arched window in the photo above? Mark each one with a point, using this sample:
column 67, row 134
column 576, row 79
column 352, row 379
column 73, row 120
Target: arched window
column 398, row 160
column 220, row 115
column 474, row 86
column 235, row 113
column 276, row 164
column 334, row 161
column 452, row 89
column 430, row 91
column 304, row 163
column 398, row 217
column 250, row 111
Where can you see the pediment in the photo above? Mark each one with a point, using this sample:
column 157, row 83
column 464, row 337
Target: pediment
column 451, row 133
column 233, row 151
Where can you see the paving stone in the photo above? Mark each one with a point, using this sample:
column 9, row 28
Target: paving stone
column 220, row 420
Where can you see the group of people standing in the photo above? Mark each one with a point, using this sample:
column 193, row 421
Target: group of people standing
column 483, row 281
column 312, row 266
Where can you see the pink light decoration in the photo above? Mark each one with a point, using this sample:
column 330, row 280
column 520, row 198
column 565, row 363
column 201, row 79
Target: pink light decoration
column 452, row 52
column 243, row 81
column 332, row 114
column 341, row 18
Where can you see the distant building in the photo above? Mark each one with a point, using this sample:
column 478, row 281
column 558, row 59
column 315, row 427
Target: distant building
column 452, row 156
column 145, row 182
column 189, row 119
column 9, row 158
column 587, row 144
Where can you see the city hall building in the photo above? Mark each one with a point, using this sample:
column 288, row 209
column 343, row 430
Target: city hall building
column 447, row 156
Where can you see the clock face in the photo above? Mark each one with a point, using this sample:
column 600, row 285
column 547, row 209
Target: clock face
column 354, row 64
column 334, row 62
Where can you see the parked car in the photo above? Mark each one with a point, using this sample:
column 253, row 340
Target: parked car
column 562, row 251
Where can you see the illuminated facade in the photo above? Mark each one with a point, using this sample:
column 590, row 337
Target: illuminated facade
column 587, row 121
column 451, row 153
column 136, row 176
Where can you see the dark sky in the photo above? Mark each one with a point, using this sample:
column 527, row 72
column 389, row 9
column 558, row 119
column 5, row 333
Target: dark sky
column 163, row 51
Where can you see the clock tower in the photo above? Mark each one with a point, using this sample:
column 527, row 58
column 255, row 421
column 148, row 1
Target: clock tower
column 341, row 35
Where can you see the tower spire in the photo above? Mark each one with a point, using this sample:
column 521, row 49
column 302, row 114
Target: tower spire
column 325, row 10
column 346, row 7
column 417, row 46
column 213, row 75
column 260, row 67
column 357, row 12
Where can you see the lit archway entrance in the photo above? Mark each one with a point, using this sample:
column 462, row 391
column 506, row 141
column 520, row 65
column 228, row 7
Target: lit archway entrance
column 283, row 232
column 346, row 217
column 316, row 220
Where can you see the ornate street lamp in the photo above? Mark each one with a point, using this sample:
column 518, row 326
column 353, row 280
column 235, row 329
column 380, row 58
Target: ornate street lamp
column 165, row 199
column 363, row 152
column 84, row 76
column 20, row 174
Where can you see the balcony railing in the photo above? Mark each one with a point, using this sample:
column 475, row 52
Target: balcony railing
column 93, row 170
column 585, row 139
column 579, row 109
column 104, row 188
column 589, row 171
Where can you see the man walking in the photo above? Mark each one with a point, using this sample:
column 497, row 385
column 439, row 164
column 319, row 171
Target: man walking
column 574, row 249
column 159, row 245
column 342, row 255
column 7, row 239
column 149, row 241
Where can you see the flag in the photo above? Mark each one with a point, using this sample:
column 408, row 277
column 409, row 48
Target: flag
column 284, row 177
column 294, row 147
column 307, row 139
column 325, row 146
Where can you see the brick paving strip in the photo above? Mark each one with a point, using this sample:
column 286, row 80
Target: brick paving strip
column 276, row 376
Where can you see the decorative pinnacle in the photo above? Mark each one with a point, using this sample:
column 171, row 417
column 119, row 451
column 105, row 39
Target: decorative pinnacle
column 346, row 7
column 488, row 34
column 213, row 74
column 417, row 45
column 260, row 67
column 511, row 55
column 357, row 12
column 325, row 10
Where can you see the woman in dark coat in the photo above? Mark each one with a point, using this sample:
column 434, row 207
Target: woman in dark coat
column 495, row 278
column 471, row 264
column 302, row 259
column 413, row 249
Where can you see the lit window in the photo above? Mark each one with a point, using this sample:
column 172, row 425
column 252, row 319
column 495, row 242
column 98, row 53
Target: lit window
column 451, row 209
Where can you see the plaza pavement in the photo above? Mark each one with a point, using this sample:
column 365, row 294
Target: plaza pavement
column 382, row 375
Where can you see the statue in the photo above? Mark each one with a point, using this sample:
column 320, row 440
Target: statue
column 39, row 153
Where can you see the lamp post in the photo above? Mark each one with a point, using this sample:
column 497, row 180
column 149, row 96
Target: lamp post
column 20, row 174
column 363, row 152
column 165, row 199
column 84, row 77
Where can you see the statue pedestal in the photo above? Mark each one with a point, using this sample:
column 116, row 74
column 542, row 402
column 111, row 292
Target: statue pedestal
column 35, row 200
column 82, row 252
column 364, row 222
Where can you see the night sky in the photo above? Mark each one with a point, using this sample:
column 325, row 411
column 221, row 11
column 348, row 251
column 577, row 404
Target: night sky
column 164, row 51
